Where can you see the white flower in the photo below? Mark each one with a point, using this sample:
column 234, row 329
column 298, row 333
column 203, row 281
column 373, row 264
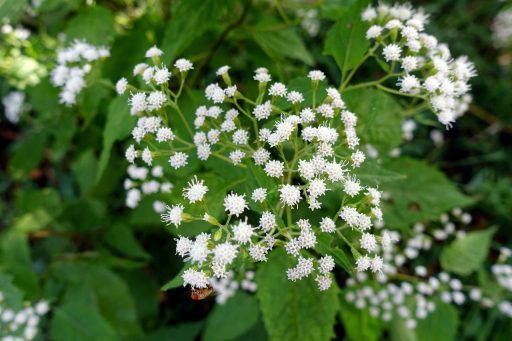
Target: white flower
column 235, row 204
column 258, row 252
column 165, row 134
column 409, row 84
column 121, row 86
column 240, row 136
column 363, row 263
column 153, row 52
column 262, row 77
column 178, row 160
column 147, row 157
column 262, row 111
column 225, row 253
column 326, row 264
column 196, row 279
column 236, row 156
column 277, row 89
column 368, row 242
column 323, row 282
column 327, row 225
column 357, row 158
column 316, row 75
column 391, row 52
column 183, row 246
column 183, row 65
column 267, row 221
column 195, row 191
column 274, row 168
column 352, row 187
column 223, row 70
column 290, row 195
column 259, row 194
column 295, row 97
column 161, row 75
column 173, row 215
column 131, row 154
column 243, row 232
column 155, row 100
column 140, row 68
column 138, row 102
column 409, row 63
column 374, row 32
column 261, row 156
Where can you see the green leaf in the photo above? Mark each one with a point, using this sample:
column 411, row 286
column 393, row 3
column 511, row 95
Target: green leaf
column 280, row 44
column 423, row 195
column 190, row 19
column 294, row 310
column 346, row 40
column 399, row 331
column 440, row 325
column 93, row 23
column 379, row 118
column 232, row 319
column 10, row 9
column 79, row 318
column 119, row 125
column 15, row 259
column 177, row 280
column 120, row 237
column 113, row 302
column 463, row 256
column 358, row 323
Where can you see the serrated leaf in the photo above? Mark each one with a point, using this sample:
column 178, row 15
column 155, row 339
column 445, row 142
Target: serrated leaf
column 232, row 319
column 346, row 41
column 463, row 256
column 424, row 194
column 294, row 310
column 379, row 118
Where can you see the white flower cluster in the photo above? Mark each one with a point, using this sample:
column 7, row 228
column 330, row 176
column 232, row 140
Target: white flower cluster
column 13, row 105
column 305, row 147
column 145, row 181
column 427, row 67
column 309, row 21
column 226, row 287
column 502, row 28
column 22, row 324
column 73, row 64
column 411, row 296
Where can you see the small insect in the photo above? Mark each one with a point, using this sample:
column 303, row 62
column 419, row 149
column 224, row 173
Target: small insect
column 201, row 294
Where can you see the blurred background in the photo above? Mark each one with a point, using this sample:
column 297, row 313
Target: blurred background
column 67, row 236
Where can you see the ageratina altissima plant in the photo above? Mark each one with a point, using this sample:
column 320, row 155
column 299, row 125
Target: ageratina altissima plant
column 305, row 147
column 424, row 68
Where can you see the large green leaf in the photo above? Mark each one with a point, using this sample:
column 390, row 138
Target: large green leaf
column 346, row 40
column 79, row 318
column 190, row 19
column 12, row 296
column 15, row 259
column 119, row 125
column 424, row 194
column 120, row 237
column 232, row 319
column 463, row 256
column 280, row 43
column 110, row 294
column 379, row 118
column 294, row 310
column 93, row 23
column 28, row 153
column 440, row 325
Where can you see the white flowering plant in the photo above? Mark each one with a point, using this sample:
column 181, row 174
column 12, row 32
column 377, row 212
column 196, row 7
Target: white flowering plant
column 263, row 170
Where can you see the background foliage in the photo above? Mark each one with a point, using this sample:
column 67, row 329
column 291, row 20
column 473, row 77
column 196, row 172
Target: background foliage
column 66, row 235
